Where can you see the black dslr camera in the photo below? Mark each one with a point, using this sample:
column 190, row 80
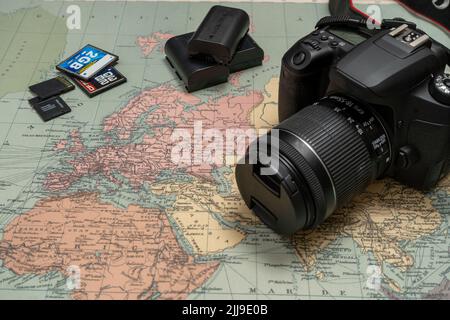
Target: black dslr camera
column 354, row 105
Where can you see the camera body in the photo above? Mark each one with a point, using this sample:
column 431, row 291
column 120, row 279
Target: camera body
column 397, row 73
column 355, row 105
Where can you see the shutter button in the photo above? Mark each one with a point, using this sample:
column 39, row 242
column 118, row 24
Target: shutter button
column 334, row 43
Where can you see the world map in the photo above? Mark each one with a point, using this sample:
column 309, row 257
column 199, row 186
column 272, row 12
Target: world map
column 92, row 207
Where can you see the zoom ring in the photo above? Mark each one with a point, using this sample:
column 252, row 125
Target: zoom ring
column 339, row 146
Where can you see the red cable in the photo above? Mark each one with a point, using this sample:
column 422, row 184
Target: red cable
column 355, row 9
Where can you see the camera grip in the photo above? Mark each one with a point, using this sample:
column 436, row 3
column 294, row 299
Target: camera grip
column 299, row 89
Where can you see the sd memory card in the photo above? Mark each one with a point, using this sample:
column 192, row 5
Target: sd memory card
column 102, row 81
column 52, row 87
column 51, row 108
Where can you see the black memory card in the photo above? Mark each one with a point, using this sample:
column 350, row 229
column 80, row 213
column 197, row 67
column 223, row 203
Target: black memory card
column 52, row 87
column 51, row 108
column 106, row 79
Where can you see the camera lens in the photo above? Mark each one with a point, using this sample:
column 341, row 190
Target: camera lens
column 327, row 153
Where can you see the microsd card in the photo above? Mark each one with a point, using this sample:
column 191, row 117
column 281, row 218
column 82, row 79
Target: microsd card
column 51, row 87
column 51, row 108
column 102, row 81
column 87, row 62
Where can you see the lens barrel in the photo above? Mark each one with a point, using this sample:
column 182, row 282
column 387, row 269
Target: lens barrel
column 328, row 153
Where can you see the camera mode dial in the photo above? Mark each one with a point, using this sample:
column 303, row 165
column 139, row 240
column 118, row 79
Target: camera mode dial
column 440, row 88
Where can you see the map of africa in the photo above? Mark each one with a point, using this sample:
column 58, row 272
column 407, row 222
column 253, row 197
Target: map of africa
column 92, row 207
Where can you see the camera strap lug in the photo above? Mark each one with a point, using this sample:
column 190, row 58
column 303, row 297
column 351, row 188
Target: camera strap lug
column 397, row 22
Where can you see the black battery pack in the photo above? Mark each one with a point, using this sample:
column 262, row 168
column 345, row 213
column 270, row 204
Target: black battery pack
column 195, row 73
column 220, row 33
column 248, row 55
column 201, row 71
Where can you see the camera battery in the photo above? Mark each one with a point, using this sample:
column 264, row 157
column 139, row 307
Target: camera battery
column 220, row 33
column 201, row 71
column 248, row 55
column 196, row 73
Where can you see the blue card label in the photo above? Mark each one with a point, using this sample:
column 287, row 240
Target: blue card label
column 87, row 62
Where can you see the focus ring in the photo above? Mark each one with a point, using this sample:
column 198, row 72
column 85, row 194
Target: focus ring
column 316, row 189
column 338, row 145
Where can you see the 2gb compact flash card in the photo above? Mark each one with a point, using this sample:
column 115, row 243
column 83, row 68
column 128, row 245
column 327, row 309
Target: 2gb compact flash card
column 87, row 62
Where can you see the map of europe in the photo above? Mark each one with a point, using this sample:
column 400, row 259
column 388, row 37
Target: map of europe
column 92, row 207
